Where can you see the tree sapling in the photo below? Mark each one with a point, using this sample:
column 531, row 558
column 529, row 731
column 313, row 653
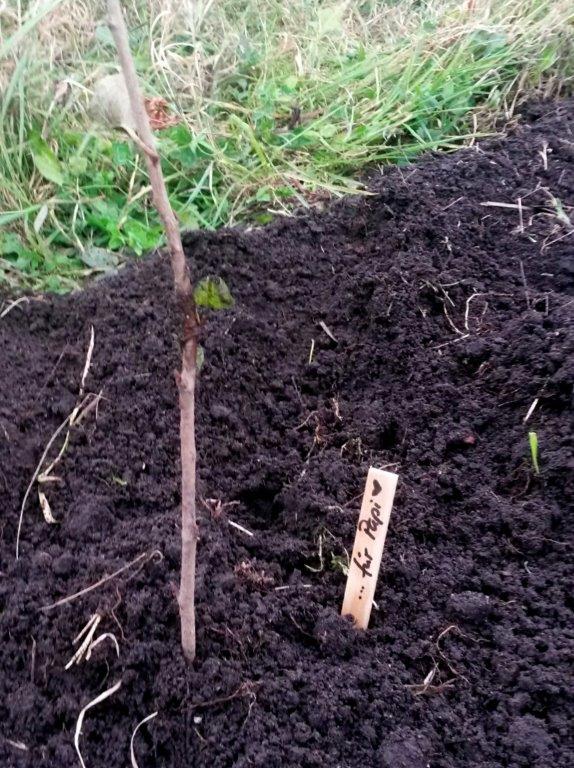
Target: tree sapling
column 209, row 292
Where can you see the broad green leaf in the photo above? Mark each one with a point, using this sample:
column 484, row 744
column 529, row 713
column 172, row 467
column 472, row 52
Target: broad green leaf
column 45, row 160
column 99, row 258
column 77, row 165
column 141, row 237
column 10, row 243
column 121, row 153
column 104, row 217
column 213, row 293
column 180, row 134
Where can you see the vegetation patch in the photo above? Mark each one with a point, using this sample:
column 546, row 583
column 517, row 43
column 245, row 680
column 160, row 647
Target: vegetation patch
column 259, row 107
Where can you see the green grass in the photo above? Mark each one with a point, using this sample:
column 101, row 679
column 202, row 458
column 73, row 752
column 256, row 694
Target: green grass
column 376, row 82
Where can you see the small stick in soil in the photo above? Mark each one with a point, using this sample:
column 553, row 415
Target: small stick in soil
column 531, row 410
column 136, row 729
column 293, row 586
column 240, row 528
column 311, row 351
column 327, row 330
column 102, row 697
column 102, row 581
column 33, row 661
column 525, row 284
column 17, row 745
column 520, row 216
column 544, row 155
column 369, row 544
column 513, row 206
column 186, row 378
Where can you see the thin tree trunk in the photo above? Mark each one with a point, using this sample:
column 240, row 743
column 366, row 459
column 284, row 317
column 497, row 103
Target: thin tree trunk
column 186, row 378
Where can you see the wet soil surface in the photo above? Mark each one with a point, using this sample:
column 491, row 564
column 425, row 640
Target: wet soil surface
column 452, row 317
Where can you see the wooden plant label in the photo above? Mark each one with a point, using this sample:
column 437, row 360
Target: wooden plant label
column 368, row 547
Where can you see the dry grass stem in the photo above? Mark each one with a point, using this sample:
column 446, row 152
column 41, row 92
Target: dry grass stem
column 145, row 557
column 100, row 639
column 240, row 528
column 82, row 650
column 102, row 697
column 84, row 406
column 136, row 729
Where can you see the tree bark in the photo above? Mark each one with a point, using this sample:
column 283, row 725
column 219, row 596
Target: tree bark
column 186, row 378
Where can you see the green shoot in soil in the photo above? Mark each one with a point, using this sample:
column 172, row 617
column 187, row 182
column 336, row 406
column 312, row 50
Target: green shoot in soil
column 533, row 442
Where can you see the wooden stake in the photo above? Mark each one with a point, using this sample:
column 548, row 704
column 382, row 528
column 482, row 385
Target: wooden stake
column 368, row 547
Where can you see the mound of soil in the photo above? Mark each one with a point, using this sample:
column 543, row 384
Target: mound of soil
column 451, row 318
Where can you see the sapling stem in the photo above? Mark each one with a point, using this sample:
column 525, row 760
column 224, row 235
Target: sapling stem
column 186, row 378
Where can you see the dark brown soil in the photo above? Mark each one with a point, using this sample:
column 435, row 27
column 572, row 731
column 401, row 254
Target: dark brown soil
column 450, row 318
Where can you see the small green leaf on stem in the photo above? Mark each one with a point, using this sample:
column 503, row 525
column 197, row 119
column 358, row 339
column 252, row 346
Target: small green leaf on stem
column 213, row 293
column 533, row 442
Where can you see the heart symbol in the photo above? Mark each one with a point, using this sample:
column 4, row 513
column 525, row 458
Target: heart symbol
column 376, row 487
